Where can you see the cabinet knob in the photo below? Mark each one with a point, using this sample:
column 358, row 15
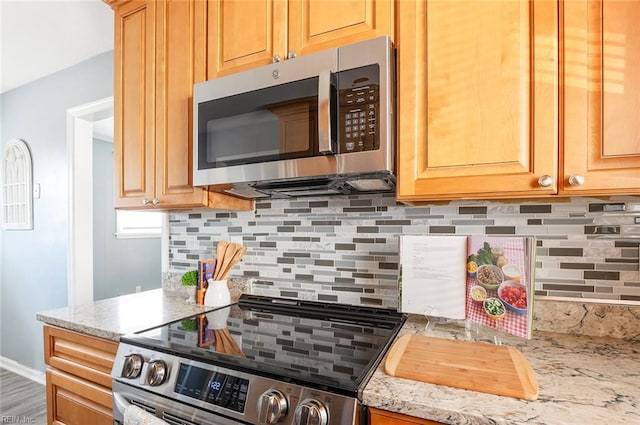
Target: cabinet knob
column 145, row 201
column 576, row 180
column 155, row 202
column 545, row 181
column 276, row 59
column 292, row 54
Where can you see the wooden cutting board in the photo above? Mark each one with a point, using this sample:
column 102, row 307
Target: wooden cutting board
column 477, row 366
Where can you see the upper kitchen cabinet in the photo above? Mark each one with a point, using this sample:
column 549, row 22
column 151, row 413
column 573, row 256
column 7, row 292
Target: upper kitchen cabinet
column 134, row 103
column 601, row 143
column 159, row 54
column 321, row 24
column 477, row 99
column 243, row 35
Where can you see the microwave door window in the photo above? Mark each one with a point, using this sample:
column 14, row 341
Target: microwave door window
column 265, row 125
column 242, row 138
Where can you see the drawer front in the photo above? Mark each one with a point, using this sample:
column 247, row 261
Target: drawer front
column 81, row 355
column 72, row 401
column 382, row 417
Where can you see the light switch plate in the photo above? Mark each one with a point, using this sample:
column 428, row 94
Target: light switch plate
column 36, row 191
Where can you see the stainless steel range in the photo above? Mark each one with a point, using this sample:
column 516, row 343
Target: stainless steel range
column 261, row 361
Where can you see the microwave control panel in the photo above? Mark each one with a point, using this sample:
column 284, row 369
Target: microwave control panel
column 358, row 129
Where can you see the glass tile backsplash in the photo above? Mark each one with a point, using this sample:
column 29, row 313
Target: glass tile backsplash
column 345, row 249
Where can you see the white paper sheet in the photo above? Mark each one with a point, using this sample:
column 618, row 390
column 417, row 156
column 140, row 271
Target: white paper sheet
column 433, row 275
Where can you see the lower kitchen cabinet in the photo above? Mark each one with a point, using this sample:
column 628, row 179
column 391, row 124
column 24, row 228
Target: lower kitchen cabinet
column 71, row 400
column 78, row 377
column 382, row 417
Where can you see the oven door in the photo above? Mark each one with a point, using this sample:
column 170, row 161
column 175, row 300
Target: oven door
column 171, row 411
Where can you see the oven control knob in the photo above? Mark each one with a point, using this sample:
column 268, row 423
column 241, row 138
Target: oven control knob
column 311, row 412
column 272, row 407
column 132, row 366
column 156, row 372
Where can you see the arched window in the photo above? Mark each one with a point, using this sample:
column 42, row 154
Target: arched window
column 17, row 186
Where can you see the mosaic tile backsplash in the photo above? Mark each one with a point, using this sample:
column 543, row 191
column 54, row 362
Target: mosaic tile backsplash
column 345, row 249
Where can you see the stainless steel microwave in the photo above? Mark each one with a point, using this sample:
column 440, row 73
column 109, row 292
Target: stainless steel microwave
column 317, row 124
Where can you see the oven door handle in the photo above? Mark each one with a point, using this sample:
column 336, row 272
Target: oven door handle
column 324, row 113
column 120, row 403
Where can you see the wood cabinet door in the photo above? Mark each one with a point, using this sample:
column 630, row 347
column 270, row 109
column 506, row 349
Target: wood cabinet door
column 73, row 401
column 320, row 24
column 134, row 103
column 244, row 34
column 78, row 379
column 601, row 122
column 180, row 62
column 477, row 111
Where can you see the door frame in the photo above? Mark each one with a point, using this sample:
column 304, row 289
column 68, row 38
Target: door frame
column 80, row 121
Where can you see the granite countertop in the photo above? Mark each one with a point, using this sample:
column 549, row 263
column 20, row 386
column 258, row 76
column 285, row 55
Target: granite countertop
column 582, row 380
column 113, row 317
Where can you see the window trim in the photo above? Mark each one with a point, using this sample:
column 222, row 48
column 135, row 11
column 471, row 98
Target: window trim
column 120, row 234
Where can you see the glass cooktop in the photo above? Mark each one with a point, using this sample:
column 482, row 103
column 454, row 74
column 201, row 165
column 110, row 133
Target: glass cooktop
column 332, row 347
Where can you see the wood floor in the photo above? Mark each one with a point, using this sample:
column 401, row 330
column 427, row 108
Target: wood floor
column 22, row 401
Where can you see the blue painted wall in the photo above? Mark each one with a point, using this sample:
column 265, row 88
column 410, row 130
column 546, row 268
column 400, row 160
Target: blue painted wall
column 119, row 265
column 34, row 262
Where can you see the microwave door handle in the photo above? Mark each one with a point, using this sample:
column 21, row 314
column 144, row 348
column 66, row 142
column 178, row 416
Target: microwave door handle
column 324, row 113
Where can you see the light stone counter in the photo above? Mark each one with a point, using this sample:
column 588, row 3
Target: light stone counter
column 583, row 380
column 114, row 317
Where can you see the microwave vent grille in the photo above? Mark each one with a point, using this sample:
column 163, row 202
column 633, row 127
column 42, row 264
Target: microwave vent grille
column 325, row 186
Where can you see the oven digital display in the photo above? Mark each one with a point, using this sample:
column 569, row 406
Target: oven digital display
column 216, row 388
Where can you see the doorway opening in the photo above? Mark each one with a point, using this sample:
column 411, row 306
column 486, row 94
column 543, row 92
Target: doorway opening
column 87, row 124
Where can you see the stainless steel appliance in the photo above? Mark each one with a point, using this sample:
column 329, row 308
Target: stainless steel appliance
column 261, row 361
column 322, row 123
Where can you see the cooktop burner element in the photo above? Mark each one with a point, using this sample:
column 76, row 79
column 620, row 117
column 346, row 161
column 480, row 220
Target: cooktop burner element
column 262, row 361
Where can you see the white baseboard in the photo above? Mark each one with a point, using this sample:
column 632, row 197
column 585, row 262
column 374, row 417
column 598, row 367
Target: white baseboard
column 22, row 370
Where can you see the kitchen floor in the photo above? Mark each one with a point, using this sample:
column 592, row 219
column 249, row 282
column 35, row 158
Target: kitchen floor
column 22, row 401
